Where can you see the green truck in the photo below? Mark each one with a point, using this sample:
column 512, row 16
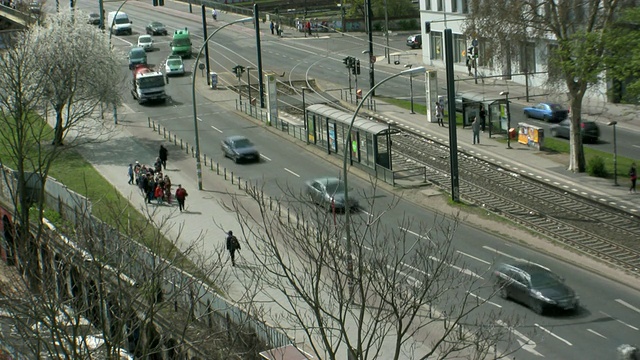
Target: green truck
column 181, row 43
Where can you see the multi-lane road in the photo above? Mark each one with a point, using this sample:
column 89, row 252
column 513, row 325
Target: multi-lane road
column 610, row 312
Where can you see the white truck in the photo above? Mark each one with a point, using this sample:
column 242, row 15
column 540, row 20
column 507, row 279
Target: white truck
column 147, row 84
column 119, row 23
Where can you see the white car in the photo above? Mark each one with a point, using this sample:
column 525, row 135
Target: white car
column 174, row 66
column 145, row 42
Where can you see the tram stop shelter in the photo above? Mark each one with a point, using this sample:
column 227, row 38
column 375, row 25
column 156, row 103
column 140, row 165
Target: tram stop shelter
column 496, row 119
column 370, row 147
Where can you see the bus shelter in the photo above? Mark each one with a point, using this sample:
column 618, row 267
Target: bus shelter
column 370, row 145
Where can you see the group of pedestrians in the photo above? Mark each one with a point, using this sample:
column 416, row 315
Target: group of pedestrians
column 153, row 184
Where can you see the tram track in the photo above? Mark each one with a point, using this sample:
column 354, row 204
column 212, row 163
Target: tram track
column 584, row 224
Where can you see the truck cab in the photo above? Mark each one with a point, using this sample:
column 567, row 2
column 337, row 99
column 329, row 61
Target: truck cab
column 181, row 43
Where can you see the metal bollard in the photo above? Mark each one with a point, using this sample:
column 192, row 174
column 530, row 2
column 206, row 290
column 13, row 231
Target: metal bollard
column 175, row 139
column 153, row 124
column 211, row 164
column 288, row 217
column 232, row 177
column 270, row 203
column 193, row 152
column 159, row 129
column 297, row 221
column 149, row 120
column 180, row 144
column 218, row 168
column 205, row 159
column 164, row 133
column 225, row 173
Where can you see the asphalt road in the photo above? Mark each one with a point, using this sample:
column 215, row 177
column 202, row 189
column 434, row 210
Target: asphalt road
column 610, row 314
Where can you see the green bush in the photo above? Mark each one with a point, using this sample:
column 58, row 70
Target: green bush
column 595, row 167
column 411, row 24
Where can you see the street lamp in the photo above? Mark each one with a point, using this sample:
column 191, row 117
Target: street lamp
column 506, row 96
column 410, row 86
column 346, row 150
column 615, row 153
column 304, row 114
column 193, row 97
column 249, row 68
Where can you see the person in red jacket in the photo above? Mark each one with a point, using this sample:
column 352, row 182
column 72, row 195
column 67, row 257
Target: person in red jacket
column 158, row 193
column 181, row 195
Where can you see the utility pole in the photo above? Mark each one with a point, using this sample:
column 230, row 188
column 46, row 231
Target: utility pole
column 369, row 13
column 386, row 32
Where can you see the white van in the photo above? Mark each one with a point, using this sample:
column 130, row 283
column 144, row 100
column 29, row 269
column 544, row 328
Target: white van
column 119, row 23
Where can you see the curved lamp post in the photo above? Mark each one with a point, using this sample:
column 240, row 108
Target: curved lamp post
column 347, row 150
column 193, row 96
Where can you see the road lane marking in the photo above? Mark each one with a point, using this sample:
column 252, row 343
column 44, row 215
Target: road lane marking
column 199, row 119
column 624, row 303
column 595, row 333
column 417, row 235
column 462, row 270
column 483, row 299
column 266, row 158
column 215, row 128
column 618, row 320
column 554, row 335
column 291, row 172
column 525, row 343
column 473, row 257
column 513, row 257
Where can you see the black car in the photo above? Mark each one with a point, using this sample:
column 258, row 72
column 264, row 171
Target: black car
column 93, row 19
column 589, row 130
column 156, row 28
column 414, row 41
column 534, row 286
column 239, row 148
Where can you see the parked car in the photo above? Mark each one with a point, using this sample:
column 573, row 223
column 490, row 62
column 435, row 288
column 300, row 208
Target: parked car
column 414, row 41
column 156, row 28
column 534, row 286
column 328, row 192
column 174, row 66
column 145, row 42
column 239, row 148
column 34, row 8
column 589, row 130
column 93, row 19
column 547, row 112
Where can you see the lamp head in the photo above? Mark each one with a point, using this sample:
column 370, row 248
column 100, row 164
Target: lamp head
column 415, row 70
column 365, row 51
column 612, row 123
column 408, row 66
column 504, row 93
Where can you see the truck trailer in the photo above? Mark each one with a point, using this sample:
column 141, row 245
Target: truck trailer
column 147, row 84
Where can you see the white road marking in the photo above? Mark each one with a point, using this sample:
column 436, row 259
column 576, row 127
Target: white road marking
column 266, row 158
column 483, row 299
column 525, row 343
column 415, row 234
column 638, row 146
column 199, row 119
column 624, row 303
column 554, row 335
column 595, row 333
column 513, row 257
column 464, row 271
column 473, row 257
column 215, row 128
column 618, row 320
column 291, row 172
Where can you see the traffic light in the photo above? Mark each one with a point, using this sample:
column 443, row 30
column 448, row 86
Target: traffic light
column 358, row 67
column 345, row 61
column 427, row 27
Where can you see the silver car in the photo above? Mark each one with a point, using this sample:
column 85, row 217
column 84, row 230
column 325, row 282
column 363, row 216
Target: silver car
column 174, row 66
column 328, row 192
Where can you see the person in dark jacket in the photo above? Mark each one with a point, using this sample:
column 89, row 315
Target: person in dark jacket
column 633, row 175
column 163, row 155
column 232, row 246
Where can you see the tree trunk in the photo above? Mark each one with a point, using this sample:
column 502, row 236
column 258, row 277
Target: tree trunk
column 58, row 131
column 576, row 152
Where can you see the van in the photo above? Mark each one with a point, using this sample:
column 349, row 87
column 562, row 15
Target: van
column 119, row 23
column 414, row 41
column 137, row 56
column 181, row 43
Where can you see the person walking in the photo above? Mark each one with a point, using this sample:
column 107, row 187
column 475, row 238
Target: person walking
column 130, row 173
column 633, row 175
column 181, row 195
column 475, row 126
column 214, row 13
column 163, row 154
column 232, row 246
column 272, row 27
column 439, row 113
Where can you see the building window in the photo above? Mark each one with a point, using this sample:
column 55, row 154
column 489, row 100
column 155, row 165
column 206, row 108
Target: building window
column 436, row 45
column 427, row 4
column 459, row 48
column 440, row 5
column 553, row 68
column 528, row 57
column 454, row 6
column 465, row 6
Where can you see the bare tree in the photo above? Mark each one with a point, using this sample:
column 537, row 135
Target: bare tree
column 573, row 32
column 403, row 291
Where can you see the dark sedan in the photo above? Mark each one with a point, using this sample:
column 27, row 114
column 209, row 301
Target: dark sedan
column 547, row 112
column 534, row 286
column 329, row 193
column 156, row 28
column 589, row 130
column 239, row 148
column 94, row 19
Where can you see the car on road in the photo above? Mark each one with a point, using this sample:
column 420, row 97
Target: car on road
column 549, row 112
column 239, row 148
column 34, row 8
column 534, row 286
column 328, row 192
column 414, row 41
column 137, row 56
column 174, row 66
column 156, row 28
column 589, row 130
column 145, row 42
column 93, row 19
